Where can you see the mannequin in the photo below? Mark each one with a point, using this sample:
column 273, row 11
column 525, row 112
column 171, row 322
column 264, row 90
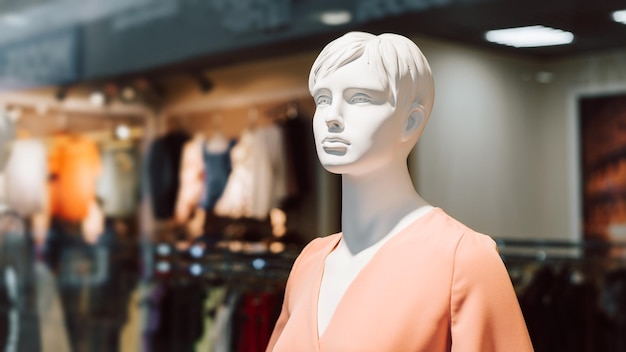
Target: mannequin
column 402, row 275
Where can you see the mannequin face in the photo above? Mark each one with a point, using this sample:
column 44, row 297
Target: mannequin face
column 357, row 127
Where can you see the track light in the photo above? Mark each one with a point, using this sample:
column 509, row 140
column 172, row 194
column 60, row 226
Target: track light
column 205, row 84
column 61, row 94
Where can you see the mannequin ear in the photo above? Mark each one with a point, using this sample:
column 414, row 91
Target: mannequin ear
column 413, row 122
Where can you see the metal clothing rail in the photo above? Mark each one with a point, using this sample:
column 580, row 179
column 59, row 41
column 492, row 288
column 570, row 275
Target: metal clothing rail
column 588, row 244
column 198, row 263
column 554, row 250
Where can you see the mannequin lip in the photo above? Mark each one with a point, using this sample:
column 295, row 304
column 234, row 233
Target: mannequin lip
column 334, row 141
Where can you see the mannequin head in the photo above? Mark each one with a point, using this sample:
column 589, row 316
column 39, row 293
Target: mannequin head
column 374, row 95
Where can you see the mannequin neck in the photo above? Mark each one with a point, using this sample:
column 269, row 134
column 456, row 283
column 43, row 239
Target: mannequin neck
column 374, row 205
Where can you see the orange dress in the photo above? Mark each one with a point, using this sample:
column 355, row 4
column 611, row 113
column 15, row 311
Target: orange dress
column 74, row 166
column 435, row 286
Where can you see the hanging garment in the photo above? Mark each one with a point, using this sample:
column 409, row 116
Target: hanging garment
column 7, row 134
column 180, row 322
column 217, row 167
column 258, row 178
column 94, row 283
column 221, row 332
column 272, row 191
column 19, row 322
column 54, row 337
column 237, row 199
column 74, row 165
column 130, row 335
column 435, row 286
column 164, row 160
column 154, row 316
column 215, row 297
column 256, row 316
column 191, row 179
column 118, row 185
column 26, row 175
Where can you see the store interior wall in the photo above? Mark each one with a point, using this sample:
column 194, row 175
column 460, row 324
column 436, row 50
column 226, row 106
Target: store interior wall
column 500, row 151
column 559, row 172
column 477, row 156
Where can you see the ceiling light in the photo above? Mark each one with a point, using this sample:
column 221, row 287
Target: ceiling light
column 122, row 132
column 129, row 93
column 620, row 16
column 336, row 17
column 14, row 20
column 97, row 98
column 529, row 37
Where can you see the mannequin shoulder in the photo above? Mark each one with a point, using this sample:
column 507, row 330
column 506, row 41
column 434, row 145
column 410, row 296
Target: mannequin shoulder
column 466, row 244
column 477, row 255
column 320, row 245
column 474, row 242
column 317, row 249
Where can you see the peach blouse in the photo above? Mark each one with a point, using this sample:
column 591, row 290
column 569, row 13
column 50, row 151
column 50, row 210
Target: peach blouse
column 435, row 286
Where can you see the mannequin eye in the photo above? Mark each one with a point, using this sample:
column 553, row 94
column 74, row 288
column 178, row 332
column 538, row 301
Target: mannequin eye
column 322, row 100
column 360, row 98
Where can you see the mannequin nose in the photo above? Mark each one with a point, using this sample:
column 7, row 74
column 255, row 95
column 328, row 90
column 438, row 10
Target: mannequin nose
column 334, row 120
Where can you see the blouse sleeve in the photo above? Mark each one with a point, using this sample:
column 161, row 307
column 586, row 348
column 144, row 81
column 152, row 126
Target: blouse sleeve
column 486, row 316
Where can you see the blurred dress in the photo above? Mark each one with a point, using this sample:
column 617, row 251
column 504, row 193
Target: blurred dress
column 118, row 186
column 258, row 181
column 26, row 175
column 75, row 165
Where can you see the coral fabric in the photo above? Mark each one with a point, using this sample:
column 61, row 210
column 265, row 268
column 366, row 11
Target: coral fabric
column 436, row 286
column 74, row 166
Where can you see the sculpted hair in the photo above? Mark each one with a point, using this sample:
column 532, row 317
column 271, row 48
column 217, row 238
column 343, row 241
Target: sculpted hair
column 398, row 61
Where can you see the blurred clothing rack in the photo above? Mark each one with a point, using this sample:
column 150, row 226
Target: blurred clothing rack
column 198, row 263
column 543, row 250
column 571, row 293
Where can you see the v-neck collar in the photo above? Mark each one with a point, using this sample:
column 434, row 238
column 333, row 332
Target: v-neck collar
column 329, row 248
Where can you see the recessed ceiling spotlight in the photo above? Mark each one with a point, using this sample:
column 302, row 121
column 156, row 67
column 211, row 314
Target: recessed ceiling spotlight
column 530, row 36
column 620, row 16
column 336, row 17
